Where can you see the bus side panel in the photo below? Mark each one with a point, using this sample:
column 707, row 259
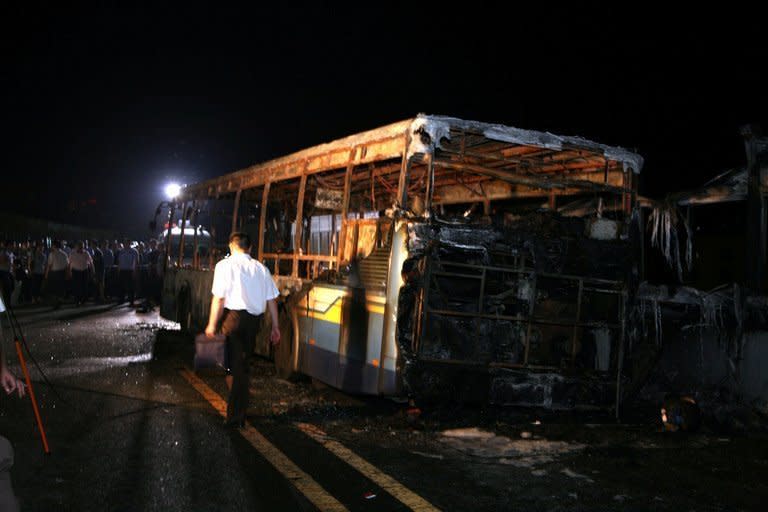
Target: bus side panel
column 340, row 338
column 361, row 343
column 319, row 328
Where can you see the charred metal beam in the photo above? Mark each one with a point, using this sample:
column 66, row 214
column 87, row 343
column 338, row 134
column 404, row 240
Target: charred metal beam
column 757, row 233
column 181, row 238
column 299, row 225
column 531, row 181
column 402, row 184
column 344, row 212
column 263, row 220
column 195, row 255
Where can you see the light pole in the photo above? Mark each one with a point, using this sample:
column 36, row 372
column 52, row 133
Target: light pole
column 172, row 191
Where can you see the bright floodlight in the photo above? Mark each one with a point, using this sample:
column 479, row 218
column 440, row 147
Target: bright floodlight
column 172, row 190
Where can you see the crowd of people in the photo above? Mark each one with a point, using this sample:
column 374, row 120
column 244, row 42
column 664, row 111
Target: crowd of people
column 55, row 272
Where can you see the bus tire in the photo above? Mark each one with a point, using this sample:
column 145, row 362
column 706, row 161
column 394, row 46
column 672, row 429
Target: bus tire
column 184, row 310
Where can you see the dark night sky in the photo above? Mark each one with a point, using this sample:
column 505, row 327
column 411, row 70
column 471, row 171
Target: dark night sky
column 108, row 103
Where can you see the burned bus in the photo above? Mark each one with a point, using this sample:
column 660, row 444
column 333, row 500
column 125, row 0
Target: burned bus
column 437, row 258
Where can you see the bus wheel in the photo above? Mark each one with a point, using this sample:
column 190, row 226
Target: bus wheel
column 284, row 351
column 184, row 311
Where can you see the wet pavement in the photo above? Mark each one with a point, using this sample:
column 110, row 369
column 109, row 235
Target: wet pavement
column 129, row 432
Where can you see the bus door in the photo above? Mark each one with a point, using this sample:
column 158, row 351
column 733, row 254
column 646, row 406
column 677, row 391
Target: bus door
column 341, row 324
column 362, row 327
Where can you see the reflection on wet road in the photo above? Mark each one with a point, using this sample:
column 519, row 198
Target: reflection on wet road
column 131, row 429
column 128, row 431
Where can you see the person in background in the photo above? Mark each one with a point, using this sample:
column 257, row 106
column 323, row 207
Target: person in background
column 128, row 267
column 152, row 279
column 37, row 271
column 142, row 274
column 109, row 269
column 26, row 251
column 98, row 271
column 242, row 290
column 22, row 294
column 6, row 270
column 116, row 248
column 80, row 265
column 56, row 273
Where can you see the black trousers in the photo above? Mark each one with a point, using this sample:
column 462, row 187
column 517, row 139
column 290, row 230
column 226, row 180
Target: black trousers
column 240, row 328
column 36, row 283
column 56, row 285
column 80, row 285
column 7, row 285
column 125, row 278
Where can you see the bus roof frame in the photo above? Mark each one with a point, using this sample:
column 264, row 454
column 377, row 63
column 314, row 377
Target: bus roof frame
column 418, row 135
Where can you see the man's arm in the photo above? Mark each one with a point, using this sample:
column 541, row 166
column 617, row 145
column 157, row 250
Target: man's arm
column 7, row 379
column 217, row 308
column 274, row 336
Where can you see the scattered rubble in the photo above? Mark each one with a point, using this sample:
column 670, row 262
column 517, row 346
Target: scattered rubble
column 520, row 453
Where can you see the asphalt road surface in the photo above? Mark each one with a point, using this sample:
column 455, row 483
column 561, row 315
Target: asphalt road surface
column 131, row 428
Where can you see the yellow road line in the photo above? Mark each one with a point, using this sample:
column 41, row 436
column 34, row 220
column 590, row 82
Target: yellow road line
column 302, row 481
column 386, row 482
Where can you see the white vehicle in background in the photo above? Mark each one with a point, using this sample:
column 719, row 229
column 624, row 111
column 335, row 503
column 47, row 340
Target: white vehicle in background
column 192, row 236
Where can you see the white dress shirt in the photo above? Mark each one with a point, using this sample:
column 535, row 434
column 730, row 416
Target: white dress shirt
column 243, row 283
column 80, row 261
column 58, row 260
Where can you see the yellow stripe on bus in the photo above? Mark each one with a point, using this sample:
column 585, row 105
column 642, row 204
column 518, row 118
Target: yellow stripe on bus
column 302, row 481
column 407, row 497
column 333, row 315
column 374, row 309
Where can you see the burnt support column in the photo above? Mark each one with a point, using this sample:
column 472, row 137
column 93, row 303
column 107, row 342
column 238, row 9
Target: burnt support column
column 342, row 240
column 429, row 160
column 299, row 224
column 402, row 182
column 171, row 208
column 263, row 222
column 195, row 238
column 236, row 210
column 756, row 147
column 181, row 237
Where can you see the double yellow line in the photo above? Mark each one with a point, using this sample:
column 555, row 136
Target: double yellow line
column 304, row 483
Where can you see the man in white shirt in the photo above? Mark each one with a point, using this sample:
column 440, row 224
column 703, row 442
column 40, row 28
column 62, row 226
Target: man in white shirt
column 55, row 273
column 242, row 290
column 80, row 264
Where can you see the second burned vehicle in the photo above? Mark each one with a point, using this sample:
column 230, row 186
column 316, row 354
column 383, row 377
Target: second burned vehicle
column 440, row 258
